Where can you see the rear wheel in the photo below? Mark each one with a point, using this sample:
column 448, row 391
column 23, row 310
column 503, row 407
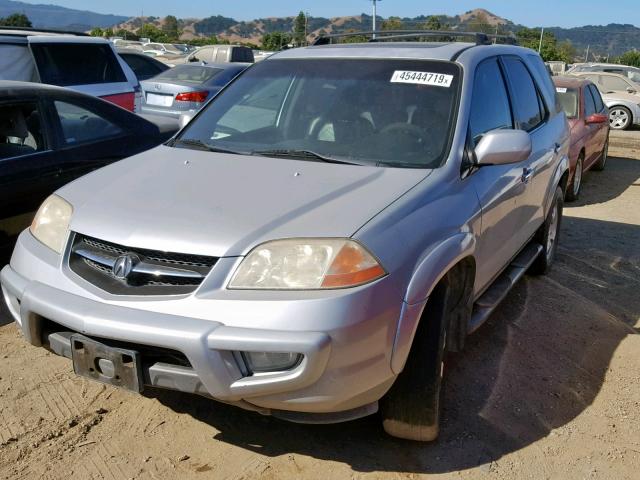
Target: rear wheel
column 620, row 118
column 547, row 236
column 573, row 192
column 599, row 165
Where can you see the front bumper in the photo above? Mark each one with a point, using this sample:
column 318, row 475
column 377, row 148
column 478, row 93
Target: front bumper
column 346, row 337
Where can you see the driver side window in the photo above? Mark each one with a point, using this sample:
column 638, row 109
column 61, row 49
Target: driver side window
column 490, row 108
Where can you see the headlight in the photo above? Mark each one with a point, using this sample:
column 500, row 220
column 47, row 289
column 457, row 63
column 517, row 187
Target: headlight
column 51, row 223
column 307, row 264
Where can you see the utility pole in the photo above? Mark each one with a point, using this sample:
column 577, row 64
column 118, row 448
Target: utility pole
column 306, row 25
column 541, row 35
column 375, row 14
column 586, row 58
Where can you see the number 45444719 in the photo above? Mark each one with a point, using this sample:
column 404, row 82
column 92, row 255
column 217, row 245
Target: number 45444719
column 422, row 78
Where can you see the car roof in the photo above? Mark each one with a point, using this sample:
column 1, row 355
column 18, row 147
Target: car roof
column 220, row 65
column 608, row 74
column 12, row 88
column 395, row 50
column 570, row 82
column 27, row 31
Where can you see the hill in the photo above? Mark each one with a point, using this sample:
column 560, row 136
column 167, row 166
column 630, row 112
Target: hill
column 54, row 16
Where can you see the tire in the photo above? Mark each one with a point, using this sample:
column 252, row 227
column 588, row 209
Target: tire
column 604, row 156
column 411, row 408
column 573, row 192
column 548, row 235
column 620, row 118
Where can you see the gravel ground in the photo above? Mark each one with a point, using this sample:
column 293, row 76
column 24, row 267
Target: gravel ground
column 548, row 388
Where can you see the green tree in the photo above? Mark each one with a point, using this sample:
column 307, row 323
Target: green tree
column 275, row 41
column 200, row 41
column 353, row 38
column 300, row 29
column 392, row 23
column 433, row 23
column 108, row 32
column 16, row 20
column 126, row 34
column 152, row 32
column 631, row 58
column 170, row 27
column 550, row 50
column 96, row 32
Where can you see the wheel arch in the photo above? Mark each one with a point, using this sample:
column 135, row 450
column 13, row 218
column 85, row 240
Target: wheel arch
column 454, row 255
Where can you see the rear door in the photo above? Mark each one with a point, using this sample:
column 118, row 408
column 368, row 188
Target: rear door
column 601, row 134
column 87, row 65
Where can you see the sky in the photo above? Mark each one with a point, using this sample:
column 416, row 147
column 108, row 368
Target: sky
column 563, row 13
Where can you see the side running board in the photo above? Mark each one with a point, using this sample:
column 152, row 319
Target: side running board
column 490, row 299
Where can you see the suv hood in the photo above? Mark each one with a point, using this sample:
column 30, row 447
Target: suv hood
column 189, row 201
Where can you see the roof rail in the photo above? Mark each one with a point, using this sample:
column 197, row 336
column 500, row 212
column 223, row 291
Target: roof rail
column 380, row 35
column 28, row 30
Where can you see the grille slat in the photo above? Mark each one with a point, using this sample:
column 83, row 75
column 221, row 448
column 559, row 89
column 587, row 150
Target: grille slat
column 163, row 283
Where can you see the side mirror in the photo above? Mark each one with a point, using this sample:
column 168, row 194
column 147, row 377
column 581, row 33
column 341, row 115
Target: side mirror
column 502, row 147
column 597, row 118
column 631, row 90
column 185, row 118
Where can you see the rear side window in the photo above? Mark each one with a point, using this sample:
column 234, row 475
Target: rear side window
column 77, row 64
column 613, row 83
column 80, row 125
column 20, row 130
column 589, row 103
column 141, row 66
column 528, row 106
column 597, row 98
column 490, row 108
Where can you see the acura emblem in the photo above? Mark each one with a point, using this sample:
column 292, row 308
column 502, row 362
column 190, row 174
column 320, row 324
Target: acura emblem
column 158, row 86
column 123, row 265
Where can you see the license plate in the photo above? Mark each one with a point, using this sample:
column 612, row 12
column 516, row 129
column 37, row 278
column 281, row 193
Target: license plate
column 159, row 100
column 115, row 366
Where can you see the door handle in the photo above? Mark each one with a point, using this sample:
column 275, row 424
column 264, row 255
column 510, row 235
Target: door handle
column 556, row 148
column 527, row 173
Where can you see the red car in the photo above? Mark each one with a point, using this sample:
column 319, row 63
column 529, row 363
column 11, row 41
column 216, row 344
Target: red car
column 589, row 121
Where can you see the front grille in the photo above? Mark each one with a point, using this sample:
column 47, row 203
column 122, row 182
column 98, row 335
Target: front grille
column 148, row 272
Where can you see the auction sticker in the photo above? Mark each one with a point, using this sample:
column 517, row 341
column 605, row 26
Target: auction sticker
column 422, row 78
column 561, row 90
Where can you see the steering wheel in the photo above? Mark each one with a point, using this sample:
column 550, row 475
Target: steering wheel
column 406, row 128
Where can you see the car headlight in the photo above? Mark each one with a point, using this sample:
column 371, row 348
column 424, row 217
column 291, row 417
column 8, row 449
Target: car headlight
column 306, row 264
column 51, row 224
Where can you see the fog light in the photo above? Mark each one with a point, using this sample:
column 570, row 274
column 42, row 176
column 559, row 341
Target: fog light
column 271, row 361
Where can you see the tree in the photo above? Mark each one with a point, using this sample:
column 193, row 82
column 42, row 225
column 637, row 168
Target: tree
column 275, row 41
column 170, row 27
column 153, row 33
column 551, row 50
column 126, row 34
column 96, row 32
column 354, row 38
column 108, row 32
column 433, row 23
column 212, row 40
column 16, row 20
column 300, row 29
column 631, row 58
column 392, row 23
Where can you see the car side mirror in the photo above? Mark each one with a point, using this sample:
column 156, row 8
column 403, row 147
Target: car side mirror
column 185, row 118
column 502, row 147
column 597, row 118
column 631, row 90
column 193, row 59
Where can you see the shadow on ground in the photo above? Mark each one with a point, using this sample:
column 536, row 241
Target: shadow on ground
column 598, row 187
column 536, row 365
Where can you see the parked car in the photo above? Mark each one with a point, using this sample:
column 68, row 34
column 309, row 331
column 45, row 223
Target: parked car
column 50, row 136
column 589, row 121
column 557, row 67
column 143, row 66
column 167, row 49
column 632, row 73
column 315, row 241
column 624, row 110
column 221, row 54
column 610, row 82
column 86, row 64
column 186, row 88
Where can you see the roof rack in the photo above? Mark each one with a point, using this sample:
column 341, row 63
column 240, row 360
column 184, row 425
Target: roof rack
column 28, row 30
column 381, row 35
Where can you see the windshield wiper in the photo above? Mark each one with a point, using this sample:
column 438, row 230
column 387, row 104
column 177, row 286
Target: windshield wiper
column 302, row 155
column 200, row 145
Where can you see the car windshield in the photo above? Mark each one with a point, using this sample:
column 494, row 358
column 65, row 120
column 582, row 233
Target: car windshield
column 188, row 73
column 395, row 113
column 569, row 100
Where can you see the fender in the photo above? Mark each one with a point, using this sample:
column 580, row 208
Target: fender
column 561, row 169
column 428, row 272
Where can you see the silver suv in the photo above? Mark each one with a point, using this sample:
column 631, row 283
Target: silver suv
column 315, row 241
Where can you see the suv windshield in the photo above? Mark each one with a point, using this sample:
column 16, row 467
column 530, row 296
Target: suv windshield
column 385, row 112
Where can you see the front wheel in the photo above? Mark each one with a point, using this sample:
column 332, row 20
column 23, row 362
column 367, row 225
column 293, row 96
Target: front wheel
column 547, row 236
column 620, row 118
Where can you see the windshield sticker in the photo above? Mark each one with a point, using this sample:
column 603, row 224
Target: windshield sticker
column 422, row 78
column 561, row 90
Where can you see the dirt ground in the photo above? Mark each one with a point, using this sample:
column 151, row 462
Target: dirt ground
column 548, row 389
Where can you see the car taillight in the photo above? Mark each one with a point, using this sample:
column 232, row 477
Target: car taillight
column 192, row 97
